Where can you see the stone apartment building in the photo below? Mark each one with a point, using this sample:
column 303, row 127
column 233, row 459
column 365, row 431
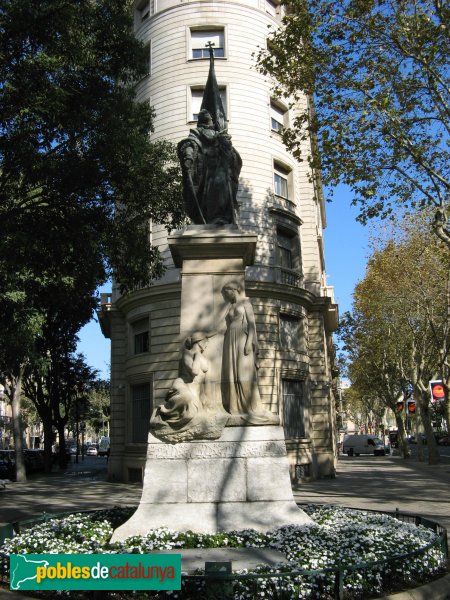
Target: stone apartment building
column 278, row 200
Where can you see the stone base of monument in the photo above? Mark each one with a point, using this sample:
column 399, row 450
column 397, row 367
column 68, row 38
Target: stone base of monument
column 239, row 481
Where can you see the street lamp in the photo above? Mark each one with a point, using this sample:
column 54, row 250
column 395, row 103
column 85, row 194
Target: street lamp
column 2, row 423
column 82, row 429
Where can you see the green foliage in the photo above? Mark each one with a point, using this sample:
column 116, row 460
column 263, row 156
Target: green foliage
column 399, row 329
column 79, row 177
column 376, row 75
column 98, row 405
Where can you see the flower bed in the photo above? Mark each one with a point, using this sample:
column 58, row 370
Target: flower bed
column 375, row 553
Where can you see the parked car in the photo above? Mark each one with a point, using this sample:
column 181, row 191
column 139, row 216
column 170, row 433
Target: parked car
column 444, row 440
column 34, row 461
column 7, row 464
column 413, row 439
column 92, row 450
column 354, row 445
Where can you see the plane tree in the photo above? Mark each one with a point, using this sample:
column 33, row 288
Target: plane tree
column 80, row 178
column 375, row 73
column 403, row 298
column 99, row 407
column 374, row 358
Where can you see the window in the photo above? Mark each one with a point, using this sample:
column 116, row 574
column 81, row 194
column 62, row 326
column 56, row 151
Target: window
column 288, row 258
column 144, row 9
column 289, row 332
column 293, row 408
column 273, row 8
column 285, row 250
column 141, row 337
column 281, row 176
column 148, row 58
column 278, row 116
column 201, row 37
column 196, row 101
column 281, row 185
column 141, row 342
column 140, row 412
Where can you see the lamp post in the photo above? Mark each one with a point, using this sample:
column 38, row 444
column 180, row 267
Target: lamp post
column 2, row 423
column 82, row 429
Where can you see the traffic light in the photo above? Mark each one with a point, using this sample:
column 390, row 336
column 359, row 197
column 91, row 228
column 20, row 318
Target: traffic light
column 437, row 391
column 400, row 406
column 411, row 407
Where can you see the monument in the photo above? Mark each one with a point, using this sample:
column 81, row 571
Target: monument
column 216, row 457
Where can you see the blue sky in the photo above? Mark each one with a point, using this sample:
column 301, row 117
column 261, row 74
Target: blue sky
column 345, row 258
column 346, row 247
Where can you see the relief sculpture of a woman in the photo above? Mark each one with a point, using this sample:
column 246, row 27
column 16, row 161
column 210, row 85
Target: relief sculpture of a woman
column 240, row 393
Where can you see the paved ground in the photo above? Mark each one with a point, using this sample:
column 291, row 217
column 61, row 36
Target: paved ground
column 383, row 483
column 82, row 487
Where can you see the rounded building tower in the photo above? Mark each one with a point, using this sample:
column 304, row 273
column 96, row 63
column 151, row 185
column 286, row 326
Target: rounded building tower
column 278, row 201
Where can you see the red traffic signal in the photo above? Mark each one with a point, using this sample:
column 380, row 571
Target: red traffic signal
column 400, row 406
column 437, row 391
column 411, row 407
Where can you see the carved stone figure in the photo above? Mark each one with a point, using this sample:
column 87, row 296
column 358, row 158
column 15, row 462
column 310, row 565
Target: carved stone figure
column 240, row 392
column 211, row 168
column 209, row 163
column 184, row 414
column 184, row 399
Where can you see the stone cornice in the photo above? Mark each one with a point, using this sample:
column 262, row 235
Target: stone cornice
column 172, row 291
column 154, row 293
column 200, row 242
column 301, row 296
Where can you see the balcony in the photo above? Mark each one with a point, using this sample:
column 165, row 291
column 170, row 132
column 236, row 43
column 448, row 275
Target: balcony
column 288, row 277
column 104, row 316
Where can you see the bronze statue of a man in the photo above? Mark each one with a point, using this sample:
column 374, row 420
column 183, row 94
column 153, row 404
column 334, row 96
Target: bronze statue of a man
column 211, row 168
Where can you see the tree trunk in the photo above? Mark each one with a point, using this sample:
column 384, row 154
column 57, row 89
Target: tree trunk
column 433, row 453
column 419, row 425
column 16, row 405
column 447, row 402
column 447, row 410
column 48, row 443
column 63, row 458
column 403, row 445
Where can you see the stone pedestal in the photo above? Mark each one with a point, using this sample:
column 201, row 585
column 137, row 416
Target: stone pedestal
column 239, row 481
column 203, row 475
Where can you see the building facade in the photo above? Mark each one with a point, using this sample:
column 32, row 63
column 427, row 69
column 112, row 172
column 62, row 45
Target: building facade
column 278, row 200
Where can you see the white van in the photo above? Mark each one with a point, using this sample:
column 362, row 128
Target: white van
column 103, row 446
column 354, row 445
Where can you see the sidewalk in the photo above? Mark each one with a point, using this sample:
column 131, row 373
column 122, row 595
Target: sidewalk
column 385, row 483
column 82, row 486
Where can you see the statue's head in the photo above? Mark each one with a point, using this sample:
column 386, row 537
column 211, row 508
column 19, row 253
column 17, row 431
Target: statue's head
column 204, row 119
column 198, row 337
column 231, row 290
